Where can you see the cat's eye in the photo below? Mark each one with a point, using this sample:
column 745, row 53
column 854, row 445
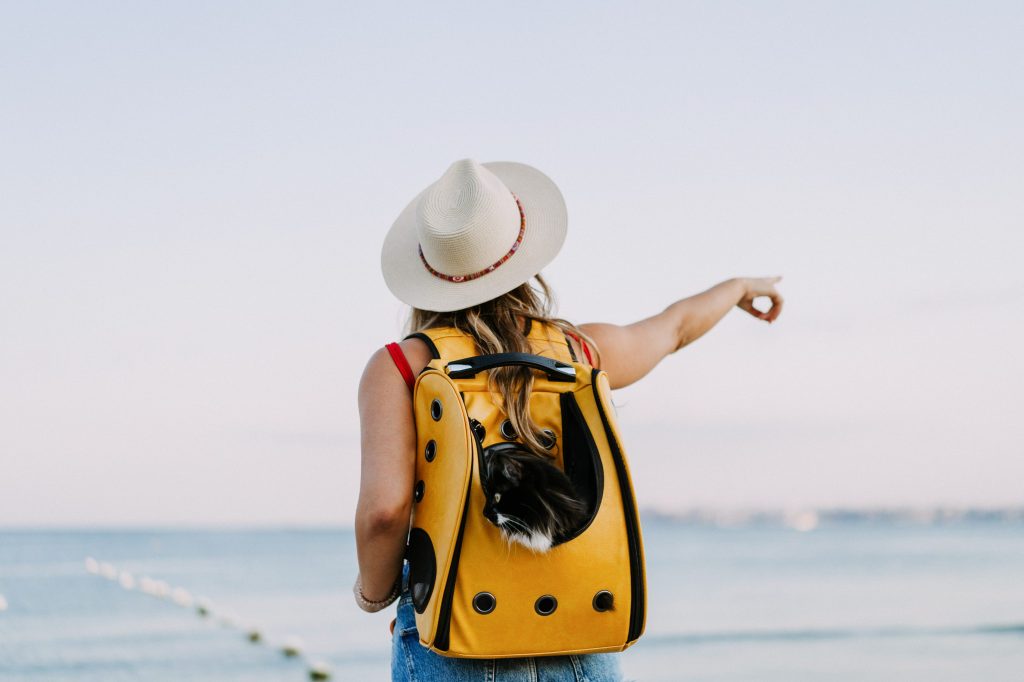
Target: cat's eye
column 497, row 497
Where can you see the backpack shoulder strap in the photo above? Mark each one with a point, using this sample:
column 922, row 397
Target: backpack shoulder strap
column 402, row 363
column 448, row 343
column 445, row 344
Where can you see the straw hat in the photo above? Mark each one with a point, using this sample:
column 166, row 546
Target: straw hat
column 478, row 232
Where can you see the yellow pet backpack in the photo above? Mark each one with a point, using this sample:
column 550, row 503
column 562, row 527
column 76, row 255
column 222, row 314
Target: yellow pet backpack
column 476, row 595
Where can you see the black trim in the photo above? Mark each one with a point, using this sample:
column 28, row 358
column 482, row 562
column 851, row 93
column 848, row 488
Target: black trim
column 636, row 602
column 470, row 367
column 570, row 410
column 427, row 340
column 444, row 616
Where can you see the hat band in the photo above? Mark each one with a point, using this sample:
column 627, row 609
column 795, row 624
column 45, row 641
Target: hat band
column 481, row 273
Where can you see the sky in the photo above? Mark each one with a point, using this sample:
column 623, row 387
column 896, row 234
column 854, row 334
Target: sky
column 193, row 198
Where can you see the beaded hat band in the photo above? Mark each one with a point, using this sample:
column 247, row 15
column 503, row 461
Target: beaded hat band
column 489, row 268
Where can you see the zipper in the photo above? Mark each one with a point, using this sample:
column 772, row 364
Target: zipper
column 636, row 603
column 444, row 618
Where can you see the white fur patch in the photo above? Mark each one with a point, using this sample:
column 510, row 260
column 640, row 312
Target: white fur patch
column 535, row 541
column 538, row 542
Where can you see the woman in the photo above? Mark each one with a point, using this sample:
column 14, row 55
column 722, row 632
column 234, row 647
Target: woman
column 467, row 253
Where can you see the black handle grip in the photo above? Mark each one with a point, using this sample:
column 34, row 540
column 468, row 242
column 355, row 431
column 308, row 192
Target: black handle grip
column 469, row 367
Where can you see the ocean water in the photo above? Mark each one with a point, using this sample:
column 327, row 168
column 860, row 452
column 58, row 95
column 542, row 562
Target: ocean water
column 846, row 601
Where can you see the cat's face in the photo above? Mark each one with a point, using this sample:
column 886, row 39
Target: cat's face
column 512, row 504
column 527, row 499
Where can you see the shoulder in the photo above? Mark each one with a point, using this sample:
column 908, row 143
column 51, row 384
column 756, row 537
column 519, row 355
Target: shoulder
column 381, row 366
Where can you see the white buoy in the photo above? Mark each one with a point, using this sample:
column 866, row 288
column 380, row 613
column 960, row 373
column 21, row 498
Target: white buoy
column 230, row 619
column 127, row 580
column 108, row 571
column 203, row 606
column 319, row 671
column 292, row 646
column 91, row 565
column 3, row 603
column 146, row 585
column 181, row 597
column 161, row 589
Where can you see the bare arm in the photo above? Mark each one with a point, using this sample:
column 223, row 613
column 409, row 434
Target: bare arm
column 386, row 479
column 629, row 352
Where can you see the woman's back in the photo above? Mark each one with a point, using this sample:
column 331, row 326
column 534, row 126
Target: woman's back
column 464, row 254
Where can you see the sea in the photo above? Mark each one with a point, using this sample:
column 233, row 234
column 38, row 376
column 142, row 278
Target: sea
column 843, row 600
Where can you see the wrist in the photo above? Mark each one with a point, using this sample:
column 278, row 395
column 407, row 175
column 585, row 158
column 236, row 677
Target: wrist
column 740, row 285
column 370, row 605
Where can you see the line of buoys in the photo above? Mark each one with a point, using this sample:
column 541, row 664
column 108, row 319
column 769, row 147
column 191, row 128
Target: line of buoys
column 291, row 646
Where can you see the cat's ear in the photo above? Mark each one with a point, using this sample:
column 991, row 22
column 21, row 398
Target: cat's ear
column 513, row 471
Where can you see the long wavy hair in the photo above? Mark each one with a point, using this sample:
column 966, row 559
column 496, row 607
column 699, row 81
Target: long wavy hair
column 497, row 326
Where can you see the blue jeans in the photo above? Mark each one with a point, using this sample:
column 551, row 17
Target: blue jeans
column 413, row 662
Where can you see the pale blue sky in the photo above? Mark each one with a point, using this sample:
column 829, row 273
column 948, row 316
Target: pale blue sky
column 194, row 197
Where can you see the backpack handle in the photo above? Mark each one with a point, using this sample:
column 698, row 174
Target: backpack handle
column 469, row 367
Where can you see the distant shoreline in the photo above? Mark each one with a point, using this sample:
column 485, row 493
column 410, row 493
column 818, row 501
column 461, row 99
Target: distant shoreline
column 808, row 518
column 802, row 518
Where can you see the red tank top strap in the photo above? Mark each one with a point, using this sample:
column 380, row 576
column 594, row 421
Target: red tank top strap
column 402, row 364
column 583, row 345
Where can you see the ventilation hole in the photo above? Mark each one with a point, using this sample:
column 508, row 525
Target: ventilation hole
column 422, row 568
column 545, row 605
column 435, row 409
column 430, row 451
column 478, row 430
column 548, row 440
column 507, row 430
column 603, row 601
column 484, row 602
column 418, row 492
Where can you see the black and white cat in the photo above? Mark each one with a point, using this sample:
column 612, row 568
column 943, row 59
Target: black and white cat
column 531, row 500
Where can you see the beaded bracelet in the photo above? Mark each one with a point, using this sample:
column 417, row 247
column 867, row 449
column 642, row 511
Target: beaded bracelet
column 374, row 606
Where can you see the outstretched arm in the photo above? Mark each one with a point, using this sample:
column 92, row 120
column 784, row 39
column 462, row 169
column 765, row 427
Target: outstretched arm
column 629, row 352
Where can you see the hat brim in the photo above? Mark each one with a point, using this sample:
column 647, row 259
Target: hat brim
column 546, row 224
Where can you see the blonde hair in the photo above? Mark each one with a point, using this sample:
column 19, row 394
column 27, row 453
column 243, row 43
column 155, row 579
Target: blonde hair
column 497, row 327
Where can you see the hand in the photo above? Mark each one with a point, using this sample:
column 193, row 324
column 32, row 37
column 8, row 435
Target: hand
column 761, row 286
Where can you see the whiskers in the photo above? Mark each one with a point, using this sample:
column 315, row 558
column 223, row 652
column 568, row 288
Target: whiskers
column 516, row 530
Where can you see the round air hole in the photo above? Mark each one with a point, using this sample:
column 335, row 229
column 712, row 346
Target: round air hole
column 484, row 602
column 508, row 432
column 548, row 439
column 435, row 409
column 603, row 601
column 545, row 605
column 479, row 431
column 430, row 452
column 418, row 491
